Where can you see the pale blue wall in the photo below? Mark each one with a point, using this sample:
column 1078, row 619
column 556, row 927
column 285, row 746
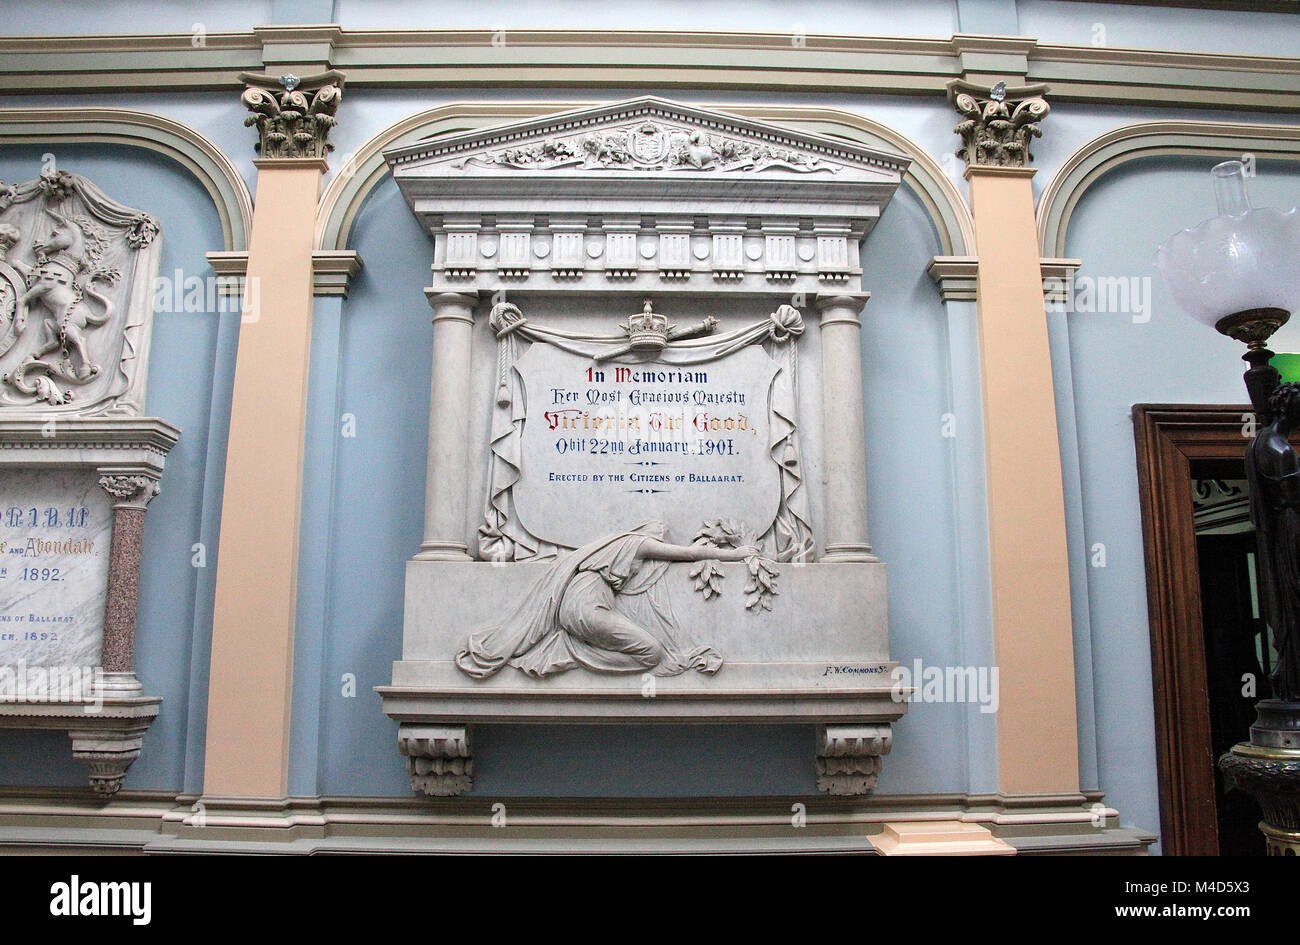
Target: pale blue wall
column 876, row 17
column 137, row 16
column 191, row 363
column 913, row 516
column 370, row 358
column 1134, row 26
column 1115, row 363
column 372, row 524
column 376, row 516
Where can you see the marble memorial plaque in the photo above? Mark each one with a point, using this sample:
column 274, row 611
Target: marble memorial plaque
column 602, row 427
column 55, row 530
column 608, row 445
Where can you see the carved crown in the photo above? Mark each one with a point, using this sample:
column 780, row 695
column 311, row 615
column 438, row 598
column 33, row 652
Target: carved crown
column 647, row 330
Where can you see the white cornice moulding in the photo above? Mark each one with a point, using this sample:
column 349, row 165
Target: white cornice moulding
column 957, row 276
column 349, row 186
column 332, row 271
column 41, row 819
column 647, row 59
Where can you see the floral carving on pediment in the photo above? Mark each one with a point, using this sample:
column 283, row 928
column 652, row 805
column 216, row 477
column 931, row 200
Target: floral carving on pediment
column 652, row 146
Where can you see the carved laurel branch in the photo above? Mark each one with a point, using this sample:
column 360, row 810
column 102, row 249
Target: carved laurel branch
column 707, row 575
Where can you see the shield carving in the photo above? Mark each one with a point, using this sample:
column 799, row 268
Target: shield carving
column 648, row 143
column 12, row 287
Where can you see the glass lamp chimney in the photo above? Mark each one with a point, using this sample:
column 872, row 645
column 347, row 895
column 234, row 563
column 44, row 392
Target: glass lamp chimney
column 1230, row 187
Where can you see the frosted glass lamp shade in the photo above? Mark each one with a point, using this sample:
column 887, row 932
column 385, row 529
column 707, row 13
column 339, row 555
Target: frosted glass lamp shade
column 1234, row 262
column 1243, row 260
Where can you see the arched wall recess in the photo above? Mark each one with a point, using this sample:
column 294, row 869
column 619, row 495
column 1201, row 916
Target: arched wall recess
column 363, row 169
column 208, row 163
column 1106, row 152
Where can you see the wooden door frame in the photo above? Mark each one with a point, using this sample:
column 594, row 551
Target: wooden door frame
column 1170, row 438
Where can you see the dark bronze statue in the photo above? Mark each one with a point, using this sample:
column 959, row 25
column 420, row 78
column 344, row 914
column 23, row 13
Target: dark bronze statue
column 1273, row 469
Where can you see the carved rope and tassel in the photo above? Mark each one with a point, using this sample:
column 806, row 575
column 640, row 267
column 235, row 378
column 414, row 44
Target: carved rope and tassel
column 499, row 539
column 791, row 533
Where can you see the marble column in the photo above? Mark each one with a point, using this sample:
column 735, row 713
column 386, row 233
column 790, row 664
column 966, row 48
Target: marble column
column 446, row 491
column 843, row 436
column 131, row 493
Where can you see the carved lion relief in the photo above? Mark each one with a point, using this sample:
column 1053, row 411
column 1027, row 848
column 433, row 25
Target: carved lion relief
column 76, row 273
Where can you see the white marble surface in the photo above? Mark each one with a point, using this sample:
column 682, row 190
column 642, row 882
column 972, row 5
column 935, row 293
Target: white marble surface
column 609, row 445
column 582, row 313
column 54, row 573
column 828, row 629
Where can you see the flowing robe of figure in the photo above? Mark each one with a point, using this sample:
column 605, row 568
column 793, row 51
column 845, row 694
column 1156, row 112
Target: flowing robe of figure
column 601, row 606
column 1275, row 509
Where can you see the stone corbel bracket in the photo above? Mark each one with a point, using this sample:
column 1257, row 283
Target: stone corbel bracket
column 106, row 737
column 125, row 456
column 848, row 757
column 438, row 758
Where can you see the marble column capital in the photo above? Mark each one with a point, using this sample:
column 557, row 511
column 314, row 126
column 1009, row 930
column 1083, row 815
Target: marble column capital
column 998, row 122
column 829, row 300
column 453, row 305
column 129, row 489
column 293, row 114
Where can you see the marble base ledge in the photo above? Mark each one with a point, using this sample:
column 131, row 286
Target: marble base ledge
column 818, row 658
column 106, row 737
column 437, row 744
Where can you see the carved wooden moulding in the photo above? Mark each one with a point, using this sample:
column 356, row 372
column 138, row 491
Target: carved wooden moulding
column 646, row 494
column 78, row 464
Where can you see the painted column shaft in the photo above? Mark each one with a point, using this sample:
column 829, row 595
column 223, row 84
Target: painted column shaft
column 1029, row 565
column 247, row 748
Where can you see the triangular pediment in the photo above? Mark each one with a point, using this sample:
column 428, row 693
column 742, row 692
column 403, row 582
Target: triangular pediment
column 646, row 136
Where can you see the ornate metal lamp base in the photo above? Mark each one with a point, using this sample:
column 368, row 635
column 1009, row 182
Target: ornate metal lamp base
column 1268, row 768
column 1254, row 326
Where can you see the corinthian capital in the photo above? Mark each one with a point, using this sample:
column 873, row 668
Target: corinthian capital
column 130, row 491
column 999, row 122
column 293, row 115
